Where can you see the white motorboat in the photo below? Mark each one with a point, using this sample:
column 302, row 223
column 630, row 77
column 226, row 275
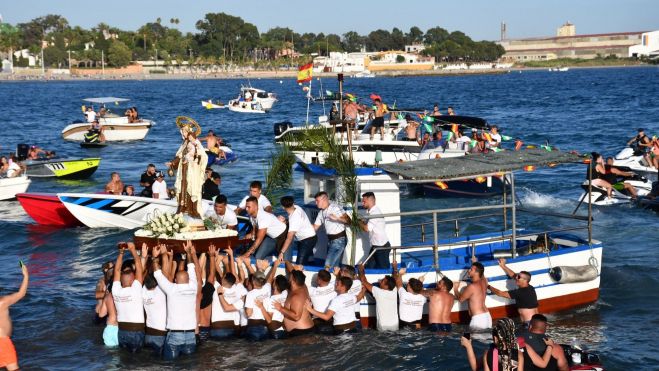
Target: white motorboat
column 566, row 267
column 209, row 104
column 9, row 187
column 619, row 195
column 249, row 94
column 116, row 127
column 365, row 74
column 559, row 69
column 236, row 105
column 634, row 160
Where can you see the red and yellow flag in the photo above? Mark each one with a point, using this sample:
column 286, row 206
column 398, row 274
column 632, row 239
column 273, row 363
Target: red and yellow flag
column 304, row 73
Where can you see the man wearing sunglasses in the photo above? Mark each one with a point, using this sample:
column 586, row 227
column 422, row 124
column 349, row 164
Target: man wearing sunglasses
column 524, row 296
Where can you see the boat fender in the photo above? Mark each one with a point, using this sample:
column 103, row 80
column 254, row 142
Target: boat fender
column 582, row 273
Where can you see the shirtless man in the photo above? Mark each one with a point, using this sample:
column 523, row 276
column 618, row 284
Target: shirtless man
column 475, row 293
column 439, row 307
column 411, row 129
column 351, row 113
column 297, row 320
column 378, row 121
column 115, row 186
column 8, row 358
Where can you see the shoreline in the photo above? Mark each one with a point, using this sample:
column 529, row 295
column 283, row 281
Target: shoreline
column 274, row 74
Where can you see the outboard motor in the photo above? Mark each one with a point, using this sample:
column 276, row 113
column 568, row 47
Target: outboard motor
column 281, row 127
column 22, row 151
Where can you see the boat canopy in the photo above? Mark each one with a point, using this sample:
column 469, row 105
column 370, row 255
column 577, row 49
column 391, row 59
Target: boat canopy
column 250, row 88
column 475, row 165
column 104, row 100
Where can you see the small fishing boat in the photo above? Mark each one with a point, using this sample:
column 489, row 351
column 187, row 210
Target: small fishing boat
column 10, row 187
column 116, row 127
column 209, row 104
column 236, row 105
column 75, row 168
column 47, row 209
column 266, row 99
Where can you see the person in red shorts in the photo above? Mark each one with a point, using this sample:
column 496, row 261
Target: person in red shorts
column 8, row 358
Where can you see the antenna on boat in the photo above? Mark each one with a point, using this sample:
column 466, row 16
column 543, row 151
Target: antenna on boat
column 309, row 100
column 322, row 97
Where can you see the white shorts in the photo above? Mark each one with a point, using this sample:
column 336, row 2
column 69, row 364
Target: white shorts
column 481, row 321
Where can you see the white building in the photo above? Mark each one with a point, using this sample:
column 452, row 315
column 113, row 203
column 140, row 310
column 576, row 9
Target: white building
column 649, row 46
column 25, row 54
column 340, row 62
column 414, row 48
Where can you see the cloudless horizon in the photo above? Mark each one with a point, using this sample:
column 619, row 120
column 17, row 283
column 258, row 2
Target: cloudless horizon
column 479, row 19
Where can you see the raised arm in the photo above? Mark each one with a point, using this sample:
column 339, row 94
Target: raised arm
column 9, row 300
column 497, row 292
column 362, row 277
column 117, row 264
column 144, row 255
column 212, row 254
column 509, row 272
column 139, row 271
column 273, row 271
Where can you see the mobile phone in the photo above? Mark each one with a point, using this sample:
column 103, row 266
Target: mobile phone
column 20, row 263
column 467, row 335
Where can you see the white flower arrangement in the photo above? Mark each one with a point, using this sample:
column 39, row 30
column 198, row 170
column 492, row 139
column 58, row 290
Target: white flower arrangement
column 165, row 225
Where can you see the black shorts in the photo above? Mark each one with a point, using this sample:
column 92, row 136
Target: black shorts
column 378, row 122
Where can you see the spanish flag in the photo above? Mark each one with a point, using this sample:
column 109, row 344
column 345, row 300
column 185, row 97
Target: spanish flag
column 304, row 73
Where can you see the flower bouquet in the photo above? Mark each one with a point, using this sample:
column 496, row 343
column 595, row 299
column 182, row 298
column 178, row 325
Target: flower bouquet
column 165, row 225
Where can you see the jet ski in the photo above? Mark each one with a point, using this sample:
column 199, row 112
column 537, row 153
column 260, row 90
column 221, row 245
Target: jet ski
column 92, row 139
column 229, row 157
column 650, row 201
column 632, row 158
column 619, row 195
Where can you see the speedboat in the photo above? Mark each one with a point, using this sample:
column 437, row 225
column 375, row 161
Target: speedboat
column 229, row 157
column 264, row 98
column 74, row 168
column 116, row 127
column 566, row 264
column 633, row 159
column 619, row 194
column 47, row 209
column 10, row 187
column 209, row 104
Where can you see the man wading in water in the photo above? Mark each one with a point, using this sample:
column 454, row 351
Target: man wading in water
column 8, row 358
column 297, row 319
column 475, row 293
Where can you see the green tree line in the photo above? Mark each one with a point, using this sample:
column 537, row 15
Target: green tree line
column 220, row 39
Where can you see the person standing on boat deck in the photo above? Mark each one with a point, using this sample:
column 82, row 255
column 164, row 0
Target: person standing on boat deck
column 435, row 111
column 412, row 129
column 8, row 357
column 268, row 233
column 127, row 295
column 224, row 217
column 300, row 228
column 211, row 187
column 146, row 180
column 335, row 219
column 378, row 120
column 411, row 301
column 386, row 300
column 440, row 303
column 525, row 297
column 475, row 292
column 90, row 115
column 297, row 320
column 450, row 111
column 181, row 307
column 115, row 186
column 255, row 190
column 340, row 309
column 159, row 187
column 495, row 137
column 154, row 301
column 377, row 234
column 320, row 296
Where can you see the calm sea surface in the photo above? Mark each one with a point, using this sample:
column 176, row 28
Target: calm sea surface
column 584, row 110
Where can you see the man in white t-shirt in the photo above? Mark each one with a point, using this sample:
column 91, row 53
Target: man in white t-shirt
column 14, row 169
column 269, row 232
column 340, row 309
column 255, row 190
column 300, row 228
column 355, row 289
column 257, row 327
column 377, row 234
column 273, row 317
column 226, row 307
column 159, row 187
column 386, row 300
column 223, row 217
column 495, row 137
column 155, row 308
column 90, row 115
column 335, row 219
column 321, row 295
column 181, row 305
column 127, row 295
column 411, row 301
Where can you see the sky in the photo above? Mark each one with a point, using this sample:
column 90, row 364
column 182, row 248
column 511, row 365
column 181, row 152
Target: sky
column 479, row 19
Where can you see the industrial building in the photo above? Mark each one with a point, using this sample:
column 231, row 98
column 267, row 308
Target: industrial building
column 567, row 44
column 649, row 46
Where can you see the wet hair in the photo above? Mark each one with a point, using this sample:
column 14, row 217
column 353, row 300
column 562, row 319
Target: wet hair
column 479, row 268
column 349, row 269
column 298, row 277
column 346, row 282
column 287, row 201
column 321, row 194
column 389, row 282
column 447, row 282
column 324, row 275
column 256, row 184
column 221, row 199
column 252, row 199
column 415, row 284
column 504, row 330
column 230, row 278
column 150, row 281
column 281, row 283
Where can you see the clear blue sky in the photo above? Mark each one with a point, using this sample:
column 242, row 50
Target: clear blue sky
column 480, row 19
